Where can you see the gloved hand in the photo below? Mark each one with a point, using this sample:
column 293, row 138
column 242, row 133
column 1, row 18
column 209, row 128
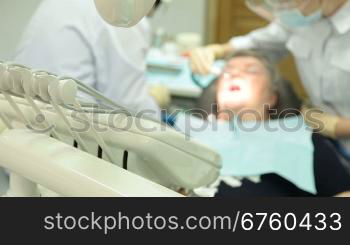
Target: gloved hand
column 322, row 122
column 202, row 59
column 161, row 94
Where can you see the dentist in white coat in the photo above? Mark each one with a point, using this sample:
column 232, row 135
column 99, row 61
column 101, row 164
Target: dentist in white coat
column 69, row 38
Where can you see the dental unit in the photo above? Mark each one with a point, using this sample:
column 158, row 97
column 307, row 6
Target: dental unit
column 58, row 145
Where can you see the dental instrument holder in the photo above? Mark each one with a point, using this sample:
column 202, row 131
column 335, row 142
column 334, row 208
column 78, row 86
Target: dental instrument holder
column 20, row 186
column 64, row 92
column 16, row 82
column 20, row 81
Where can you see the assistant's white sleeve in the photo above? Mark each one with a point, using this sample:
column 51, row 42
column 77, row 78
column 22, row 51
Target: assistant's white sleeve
column 64, row 52
column 271, row 39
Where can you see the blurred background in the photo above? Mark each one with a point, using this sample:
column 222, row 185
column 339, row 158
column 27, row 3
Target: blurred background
column 200, row 17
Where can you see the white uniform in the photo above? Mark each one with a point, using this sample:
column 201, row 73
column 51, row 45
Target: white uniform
column 69, row 38
column 322, row 54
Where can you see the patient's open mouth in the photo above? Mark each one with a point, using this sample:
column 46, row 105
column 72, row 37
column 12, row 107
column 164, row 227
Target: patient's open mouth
column 234, row 88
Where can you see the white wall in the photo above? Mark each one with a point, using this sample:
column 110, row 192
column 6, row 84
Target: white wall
column 14, row 14
column 183, row 16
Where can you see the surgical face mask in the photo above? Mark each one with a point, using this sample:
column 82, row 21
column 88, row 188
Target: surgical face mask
column 294, row 18
column 123, row 13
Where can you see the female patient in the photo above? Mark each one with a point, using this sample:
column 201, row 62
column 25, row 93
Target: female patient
column 251, row 89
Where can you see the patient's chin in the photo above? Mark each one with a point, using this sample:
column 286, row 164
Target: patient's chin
column 232, row 106
column 235, row 103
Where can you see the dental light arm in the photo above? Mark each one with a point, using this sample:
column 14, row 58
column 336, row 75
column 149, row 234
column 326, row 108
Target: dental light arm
column 123, row 13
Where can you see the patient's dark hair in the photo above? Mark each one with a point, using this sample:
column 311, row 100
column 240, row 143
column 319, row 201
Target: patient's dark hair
column 288, row 103
column 270, row 66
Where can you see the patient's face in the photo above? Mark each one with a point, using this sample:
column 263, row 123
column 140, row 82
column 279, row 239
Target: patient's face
column 245, row 84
